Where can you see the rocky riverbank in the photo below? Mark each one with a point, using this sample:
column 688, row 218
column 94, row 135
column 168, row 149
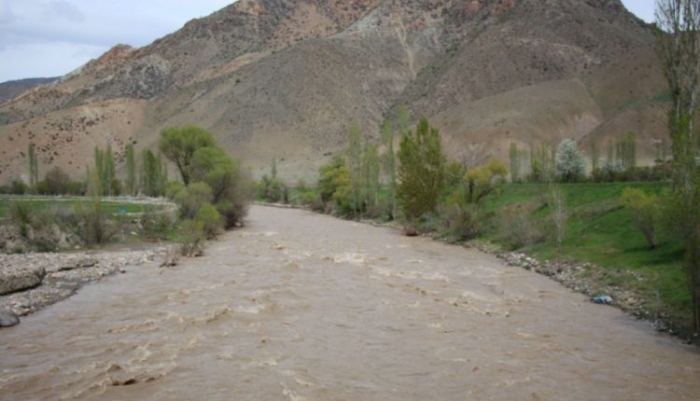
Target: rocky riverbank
column 30, row 282
column 585, row 278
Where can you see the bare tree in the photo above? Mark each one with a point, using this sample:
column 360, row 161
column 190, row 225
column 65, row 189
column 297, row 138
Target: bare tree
column 678, row 38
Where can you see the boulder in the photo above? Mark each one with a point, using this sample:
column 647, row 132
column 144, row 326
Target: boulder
column 8, row 318
column 13, row 279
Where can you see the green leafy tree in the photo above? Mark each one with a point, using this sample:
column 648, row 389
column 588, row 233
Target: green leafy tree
column 56, row 182
column 192, row 198
column 485, row 180
column 150, row 176
column 178, row 144
column 131, row 184
column 570, row 162
column 678, row 24
column 389, row 164
column 335, row 184
column 644, row 210
column 211, row 220
column 354, row 165
column 370, row 174
column 422, row 170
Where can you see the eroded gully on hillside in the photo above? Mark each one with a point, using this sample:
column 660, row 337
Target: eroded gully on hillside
column 299, row 306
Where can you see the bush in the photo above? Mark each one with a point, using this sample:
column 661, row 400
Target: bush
column 18, row 187
column 211, row 220
column 91, row 223
column 192, row 198
column 516, row 230
column 21, row 216
column 644, row 210
column 56, row 182
column 156, row 225
column 192, row 238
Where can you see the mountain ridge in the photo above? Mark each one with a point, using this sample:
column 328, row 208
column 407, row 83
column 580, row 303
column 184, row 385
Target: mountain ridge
column 284, row 78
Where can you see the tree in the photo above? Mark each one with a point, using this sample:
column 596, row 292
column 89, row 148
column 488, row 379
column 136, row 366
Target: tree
column 595, row 155
column 33, row 166
column 109, row 172
column 422, row 170
column 199, row 160
column 514, row 162
column 485, row 180
column 389, row 164
column 354, row 164
column 334, row 184
column 570, row 163
column 370, row 174
column 644, row 210
column 130, row 170
column 678, row 24
column 56, row 182
column 150, row 174
column 178, row 144
column 192, row 198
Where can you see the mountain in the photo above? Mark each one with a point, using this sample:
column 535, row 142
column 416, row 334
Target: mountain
column 11, row 89
column 285, row 78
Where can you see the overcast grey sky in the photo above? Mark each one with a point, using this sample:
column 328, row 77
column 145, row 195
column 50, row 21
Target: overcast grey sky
column 44, row 38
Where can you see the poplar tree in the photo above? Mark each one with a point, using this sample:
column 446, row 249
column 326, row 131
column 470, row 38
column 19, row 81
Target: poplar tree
column 131, row 183
column 678, row 30
column 422, row 170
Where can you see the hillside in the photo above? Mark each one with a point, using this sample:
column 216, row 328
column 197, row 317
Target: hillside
column 284, row 78
column 11, row 89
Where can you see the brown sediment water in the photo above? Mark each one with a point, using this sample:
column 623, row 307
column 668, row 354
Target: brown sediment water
column 299, row 306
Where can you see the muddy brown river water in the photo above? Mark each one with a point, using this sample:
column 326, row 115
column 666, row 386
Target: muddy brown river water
column 299, row 306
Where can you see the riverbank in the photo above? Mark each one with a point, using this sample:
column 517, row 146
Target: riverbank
column 30, row 282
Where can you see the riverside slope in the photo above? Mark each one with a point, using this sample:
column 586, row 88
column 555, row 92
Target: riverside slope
column 301, row 306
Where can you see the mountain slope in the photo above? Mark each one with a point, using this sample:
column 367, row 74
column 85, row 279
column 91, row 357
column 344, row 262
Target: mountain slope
column 284, row 78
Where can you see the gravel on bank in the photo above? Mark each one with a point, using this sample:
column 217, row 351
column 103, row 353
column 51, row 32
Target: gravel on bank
column 63, row 274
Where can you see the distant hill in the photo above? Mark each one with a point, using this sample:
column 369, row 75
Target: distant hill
column 11, row 89
column 285, row 78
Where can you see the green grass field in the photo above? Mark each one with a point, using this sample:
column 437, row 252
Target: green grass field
column 44, row 203
column 600, row 230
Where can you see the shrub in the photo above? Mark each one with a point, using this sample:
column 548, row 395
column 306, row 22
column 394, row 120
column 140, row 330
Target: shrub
column 211, row 220
column 516, row 229
column 644, row 210
column 156, row 225
column 191, row 198
column 91, row 223
column 462, row 222
column 18, row 187
column 21, row 216
column 192, row 238
column 56, row 182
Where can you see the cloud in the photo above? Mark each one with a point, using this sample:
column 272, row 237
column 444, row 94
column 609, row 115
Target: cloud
column 6, row 14
column 64, row 9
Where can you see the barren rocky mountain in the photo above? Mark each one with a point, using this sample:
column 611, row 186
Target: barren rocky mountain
column 11, row 89
column 284, row 78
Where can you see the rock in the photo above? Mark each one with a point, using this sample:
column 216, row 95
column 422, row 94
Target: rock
column 79, row 264
column 8, row 318
column 410, row 230
column 13, row 279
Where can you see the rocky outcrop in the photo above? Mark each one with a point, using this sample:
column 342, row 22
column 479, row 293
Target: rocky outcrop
column 20, row 277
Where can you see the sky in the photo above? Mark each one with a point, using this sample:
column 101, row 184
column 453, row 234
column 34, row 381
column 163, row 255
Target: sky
column 48, row 38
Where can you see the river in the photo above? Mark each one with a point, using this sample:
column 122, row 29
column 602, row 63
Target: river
column 300, row 306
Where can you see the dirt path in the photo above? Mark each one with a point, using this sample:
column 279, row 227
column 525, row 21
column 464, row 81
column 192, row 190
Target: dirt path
column 299, row 306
